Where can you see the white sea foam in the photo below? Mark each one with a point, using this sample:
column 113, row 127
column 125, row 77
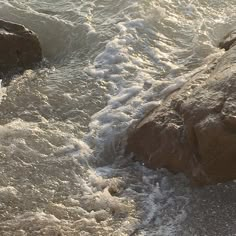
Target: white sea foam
column 63, row 129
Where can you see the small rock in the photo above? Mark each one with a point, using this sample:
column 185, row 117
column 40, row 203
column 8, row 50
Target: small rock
column 19, row 47
column 228, row 41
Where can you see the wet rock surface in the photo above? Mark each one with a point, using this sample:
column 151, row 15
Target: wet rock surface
column 194, row 130
column 19, row 47
column 229, row 40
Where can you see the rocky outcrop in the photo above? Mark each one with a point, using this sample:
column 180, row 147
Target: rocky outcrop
column 19, row 47
column 194, row 130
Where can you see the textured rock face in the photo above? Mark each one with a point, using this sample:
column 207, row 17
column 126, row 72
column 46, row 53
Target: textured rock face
column 19, row 47
column 194, row 130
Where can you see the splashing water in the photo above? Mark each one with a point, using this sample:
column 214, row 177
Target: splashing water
column 63, row 128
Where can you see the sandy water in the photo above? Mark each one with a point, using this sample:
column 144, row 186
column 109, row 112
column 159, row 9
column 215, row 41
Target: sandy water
column 63, row 126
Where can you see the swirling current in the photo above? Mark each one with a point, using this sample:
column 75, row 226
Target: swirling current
column 63, row 126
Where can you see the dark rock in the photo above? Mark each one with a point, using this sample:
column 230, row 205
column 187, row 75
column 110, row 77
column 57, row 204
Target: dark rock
column 229, row 40
column 19, row 47
column 194, row 130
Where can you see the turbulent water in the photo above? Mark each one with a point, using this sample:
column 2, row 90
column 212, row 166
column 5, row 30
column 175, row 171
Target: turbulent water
column 63, row 126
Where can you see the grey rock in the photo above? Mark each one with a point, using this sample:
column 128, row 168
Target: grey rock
column 228, row 41
column 19, row 47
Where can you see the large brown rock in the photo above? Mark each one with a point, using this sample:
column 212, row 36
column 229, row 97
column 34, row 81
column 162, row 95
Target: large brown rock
column 19, row 47
column 194, row 130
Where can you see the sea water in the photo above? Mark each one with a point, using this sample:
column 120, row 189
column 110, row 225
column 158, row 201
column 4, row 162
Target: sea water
column 63, row 126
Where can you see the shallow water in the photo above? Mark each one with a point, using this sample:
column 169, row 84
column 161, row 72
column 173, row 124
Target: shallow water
column 63, row 126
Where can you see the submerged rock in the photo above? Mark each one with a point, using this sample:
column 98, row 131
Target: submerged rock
column 229, row 40
column 19, row 47
column 194, row 130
